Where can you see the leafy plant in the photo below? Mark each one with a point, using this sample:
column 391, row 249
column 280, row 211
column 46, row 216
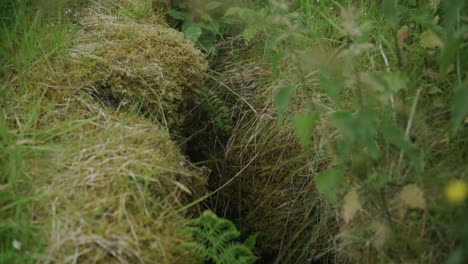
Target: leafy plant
column 215, row 241
column 377, row 72
column 201, row 22
column 216, row 110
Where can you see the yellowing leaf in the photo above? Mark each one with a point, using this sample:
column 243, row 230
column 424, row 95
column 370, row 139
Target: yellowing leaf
column 413, row 197
column 382, row 233
column 351, row 206
column 403, row 34
column 430, row 40
column 434, row 5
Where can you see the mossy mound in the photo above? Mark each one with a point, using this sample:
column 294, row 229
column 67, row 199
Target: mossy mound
column 113, row 185
column 147, row 66
column 110, row 183
column 143, row 11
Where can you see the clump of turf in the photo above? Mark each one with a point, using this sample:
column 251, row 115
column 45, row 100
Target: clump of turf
column 149, row 65
column 112, row 185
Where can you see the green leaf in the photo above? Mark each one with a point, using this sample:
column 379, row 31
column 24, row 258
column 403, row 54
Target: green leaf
column 282, row 98
column 459, row 106
column 333, row 87
column 390, row 82
column 451, row 10
column 213, row 5
column 450, row 50
column 304, row 126
column 430, row 40
column 177, row 15
column 206, row 17
column 395, row 136
column 390, row 13
column 330, row 183
column 379, row 179
column 250, row 241
column 193, row 32
column 359, row 129
column 276, row 60
column 250, row 32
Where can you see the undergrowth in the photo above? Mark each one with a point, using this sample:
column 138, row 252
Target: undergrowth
column 215, row 240
column 376, row 94
column 337, row 130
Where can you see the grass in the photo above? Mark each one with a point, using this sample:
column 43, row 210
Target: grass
column 26, row 41
column 417, row 148
column 81, row 182
column 87, row 177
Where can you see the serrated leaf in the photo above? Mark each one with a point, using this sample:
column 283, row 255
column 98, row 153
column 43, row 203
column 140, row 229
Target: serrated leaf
column 177, row 15
column 390, row 13
column 213, row 5
column 250, row 241
column 450, row 50
column 250, row 32
column 233, row 11
column 403, row 34
column 282, row 98
column 303, row 126
column 451, row 10
column 459, row 106
column 413, row 197
column 430, row 40
column 390, row 82
column 396, row 136
column 381, row 235
column 351, row 206
column 379, row 179
column 333, row 87
column 193, row 32
column 329, row 183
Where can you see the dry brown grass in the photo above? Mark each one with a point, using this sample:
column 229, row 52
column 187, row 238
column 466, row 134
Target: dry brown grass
column 275, row 195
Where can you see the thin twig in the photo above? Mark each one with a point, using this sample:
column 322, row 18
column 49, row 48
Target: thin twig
column 410, row 121
column 387, row 65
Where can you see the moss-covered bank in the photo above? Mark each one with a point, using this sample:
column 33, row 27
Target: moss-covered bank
column 107, row 176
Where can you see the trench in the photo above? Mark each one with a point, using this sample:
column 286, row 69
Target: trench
column 206, row 147
column 219, row 117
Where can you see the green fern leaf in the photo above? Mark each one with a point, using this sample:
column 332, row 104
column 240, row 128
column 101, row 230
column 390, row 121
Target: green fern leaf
column 215, row 240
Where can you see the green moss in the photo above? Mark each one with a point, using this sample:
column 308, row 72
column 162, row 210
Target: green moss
column 147, row 64
column 112, row 183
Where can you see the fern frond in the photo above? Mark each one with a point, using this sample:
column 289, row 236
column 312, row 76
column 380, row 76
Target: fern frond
column 215, row 240
column 216, row 109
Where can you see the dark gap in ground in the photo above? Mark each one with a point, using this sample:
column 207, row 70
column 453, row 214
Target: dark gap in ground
column 206, row 147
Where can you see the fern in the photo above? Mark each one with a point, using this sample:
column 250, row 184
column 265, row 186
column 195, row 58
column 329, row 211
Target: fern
column 215, row 241
column 216, row 110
